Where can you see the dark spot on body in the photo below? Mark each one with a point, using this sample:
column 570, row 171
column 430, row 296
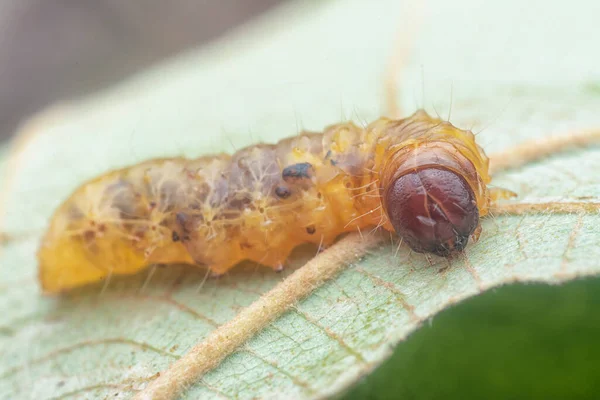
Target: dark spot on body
column 185, row 222
column 282, row 192
column 239, row 203
column 296, row 172
column 328, row 157
column 311, row 230
column 88, row 235
column 175, row 236
column 182, row 218
column 190, row 174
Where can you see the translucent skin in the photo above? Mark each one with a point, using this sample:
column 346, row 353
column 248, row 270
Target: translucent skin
column 258, row 204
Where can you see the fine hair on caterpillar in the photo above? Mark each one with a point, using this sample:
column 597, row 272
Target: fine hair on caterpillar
column 419, row 176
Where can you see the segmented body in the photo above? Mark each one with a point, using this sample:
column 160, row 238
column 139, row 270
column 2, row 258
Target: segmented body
column 257, row 204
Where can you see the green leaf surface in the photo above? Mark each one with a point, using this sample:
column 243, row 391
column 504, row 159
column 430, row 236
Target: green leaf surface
column 522, row 341
column 521, row 71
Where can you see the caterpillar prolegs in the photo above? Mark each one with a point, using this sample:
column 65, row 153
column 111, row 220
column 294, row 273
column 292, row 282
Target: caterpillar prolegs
column 420, row 176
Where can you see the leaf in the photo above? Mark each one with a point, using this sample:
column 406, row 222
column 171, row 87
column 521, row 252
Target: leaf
column 304, row 66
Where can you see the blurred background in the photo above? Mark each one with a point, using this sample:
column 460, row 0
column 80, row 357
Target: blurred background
column 57, row 49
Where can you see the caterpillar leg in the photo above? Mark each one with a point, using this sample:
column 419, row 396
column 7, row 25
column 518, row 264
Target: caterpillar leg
column 497, row 194
column 275, row 260
column 217, row 270
column 476, row 234
column 279, row 267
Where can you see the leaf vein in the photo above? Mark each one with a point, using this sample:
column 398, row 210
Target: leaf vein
column 332, row 335
column 73, row 347
column 400, row 297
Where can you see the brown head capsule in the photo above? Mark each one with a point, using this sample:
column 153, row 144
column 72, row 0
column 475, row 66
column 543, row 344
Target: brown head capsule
column 433, row 184
column 433, row 210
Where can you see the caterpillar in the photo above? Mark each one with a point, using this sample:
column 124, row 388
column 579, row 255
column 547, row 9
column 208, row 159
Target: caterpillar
column 420, row 177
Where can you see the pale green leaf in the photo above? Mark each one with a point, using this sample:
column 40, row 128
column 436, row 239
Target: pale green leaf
column 521, row 70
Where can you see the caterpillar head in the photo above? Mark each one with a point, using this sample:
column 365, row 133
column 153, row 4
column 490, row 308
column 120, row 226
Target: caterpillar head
column 433, row 183
column 434, row 210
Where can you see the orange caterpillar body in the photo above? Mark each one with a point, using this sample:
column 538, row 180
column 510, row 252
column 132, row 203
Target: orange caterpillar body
column 264, row 200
